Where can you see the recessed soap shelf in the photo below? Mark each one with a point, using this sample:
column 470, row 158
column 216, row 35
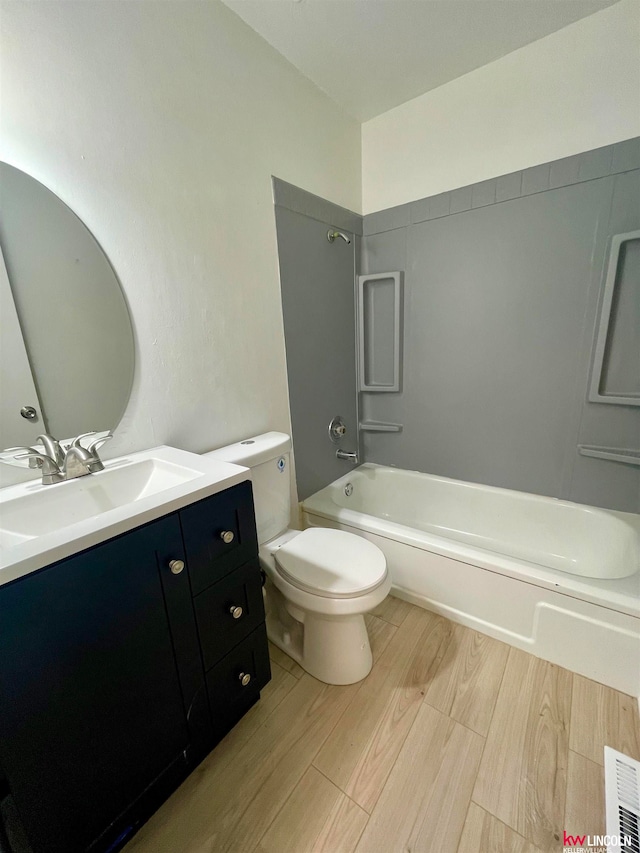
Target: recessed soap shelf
column 378, row 426
column 613, row 454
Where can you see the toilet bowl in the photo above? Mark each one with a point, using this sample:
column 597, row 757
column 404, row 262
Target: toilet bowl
column 320, row 581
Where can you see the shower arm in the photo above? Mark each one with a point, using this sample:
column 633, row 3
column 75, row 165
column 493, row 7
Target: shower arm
column 331, row 236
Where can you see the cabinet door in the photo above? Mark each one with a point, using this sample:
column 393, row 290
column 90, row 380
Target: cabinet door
column 211, row 554
column 92, row 711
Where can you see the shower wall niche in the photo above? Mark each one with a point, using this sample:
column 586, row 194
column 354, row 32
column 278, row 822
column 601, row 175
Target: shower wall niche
column 380, row 323
column 615, row 377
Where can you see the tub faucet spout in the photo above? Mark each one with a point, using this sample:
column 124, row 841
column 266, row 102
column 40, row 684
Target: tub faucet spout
column 348, row 456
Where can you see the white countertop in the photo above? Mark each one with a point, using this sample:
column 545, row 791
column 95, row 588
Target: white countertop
column 40, row 525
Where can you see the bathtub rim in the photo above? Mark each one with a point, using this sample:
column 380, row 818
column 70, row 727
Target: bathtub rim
column 620, row 594
column 631, row 518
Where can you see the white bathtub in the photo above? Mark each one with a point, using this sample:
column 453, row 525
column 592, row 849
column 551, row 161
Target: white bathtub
column 558, row 579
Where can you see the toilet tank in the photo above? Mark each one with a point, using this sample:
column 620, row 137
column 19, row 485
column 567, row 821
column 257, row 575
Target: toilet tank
column 268, row 457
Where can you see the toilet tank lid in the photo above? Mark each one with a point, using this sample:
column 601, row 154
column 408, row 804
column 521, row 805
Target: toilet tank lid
column 255, row 450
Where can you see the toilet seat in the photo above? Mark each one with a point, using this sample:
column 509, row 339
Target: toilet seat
column 331, row 563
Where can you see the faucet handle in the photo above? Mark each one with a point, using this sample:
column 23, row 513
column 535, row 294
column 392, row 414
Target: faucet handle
column 26, row 453
column 76, row 441
column 92, row 448
column 50, row 471
column 93, row 445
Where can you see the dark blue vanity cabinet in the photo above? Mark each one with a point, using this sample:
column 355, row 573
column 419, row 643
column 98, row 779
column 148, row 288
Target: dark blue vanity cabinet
column 122, row 666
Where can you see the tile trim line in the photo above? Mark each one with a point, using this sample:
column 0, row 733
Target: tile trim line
column 579, row 168
column 300, row 201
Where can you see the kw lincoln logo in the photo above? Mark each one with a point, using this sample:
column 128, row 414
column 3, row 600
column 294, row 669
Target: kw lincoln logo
column 595, row 843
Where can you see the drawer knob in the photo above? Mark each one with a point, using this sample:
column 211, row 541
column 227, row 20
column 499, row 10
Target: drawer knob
column 176, row 566
column 236, row 612
column 227, row 536
column 245, row 678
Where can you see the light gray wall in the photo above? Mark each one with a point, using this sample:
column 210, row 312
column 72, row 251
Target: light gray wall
column 502, row 282
column 317, row 284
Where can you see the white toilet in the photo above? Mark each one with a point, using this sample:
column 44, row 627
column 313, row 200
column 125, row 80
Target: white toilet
column 320, row 582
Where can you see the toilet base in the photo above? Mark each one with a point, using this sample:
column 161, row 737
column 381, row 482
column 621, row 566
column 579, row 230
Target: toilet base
column 335, row 650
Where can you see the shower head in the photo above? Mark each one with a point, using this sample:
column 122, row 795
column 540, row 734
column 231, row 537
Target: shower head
column 331, row 236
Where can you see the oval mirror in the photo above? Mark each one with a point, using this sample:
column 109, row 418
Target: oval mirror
column 66, row 340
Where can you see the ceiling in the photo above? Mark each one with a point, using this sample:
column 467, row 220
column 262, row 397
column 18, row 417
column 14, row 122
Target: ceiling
column 372, row 55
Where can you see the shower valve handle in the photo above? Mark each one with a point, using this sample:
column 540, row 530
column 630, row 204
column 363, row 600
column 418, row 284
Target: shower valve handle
column 337, row 429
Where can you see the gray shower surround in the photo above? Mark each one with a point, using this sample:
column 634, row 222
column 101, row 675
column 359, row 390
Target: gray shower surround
column 501, row 287
column 317, row 284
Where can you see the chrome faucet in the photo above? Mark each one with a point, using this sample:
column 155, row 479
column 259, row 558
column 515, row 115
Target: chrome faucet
column 348, row 456
column 61, row 462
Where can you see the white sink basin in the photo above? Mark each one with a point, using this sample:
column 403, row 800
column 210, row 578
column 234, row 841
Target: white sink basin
column 53, row 507
column 41, row 524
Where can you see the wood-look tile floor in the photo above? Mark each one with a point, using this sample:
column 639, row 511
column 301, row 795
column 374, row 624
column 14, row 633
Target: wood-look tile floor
column 455, row 743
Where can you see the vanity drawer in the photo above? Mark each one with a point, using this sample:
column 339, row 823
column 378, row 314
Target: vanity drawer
column 219, row 535
column 229, row 697
column 228, row 611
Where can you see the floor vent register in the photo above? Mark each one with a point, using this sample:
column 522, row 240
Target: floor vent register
column 622, row 792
